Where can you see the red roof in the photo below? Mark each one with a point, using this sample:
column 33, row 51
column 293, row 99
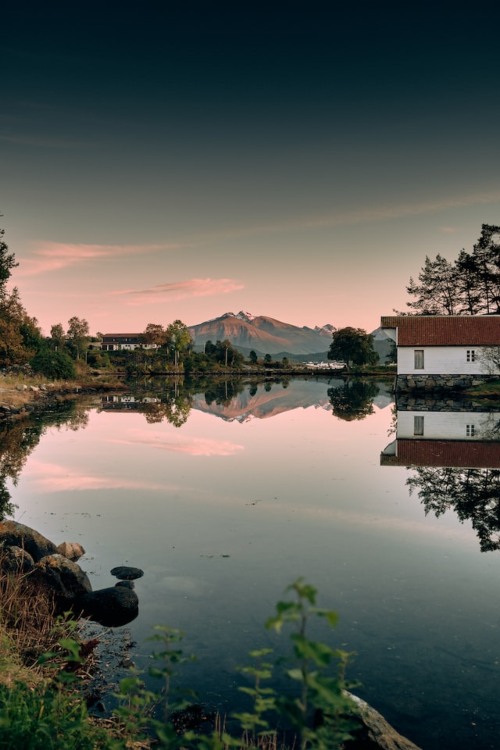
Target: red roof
column 121, row 335
column 470, row 454
column 445, row 330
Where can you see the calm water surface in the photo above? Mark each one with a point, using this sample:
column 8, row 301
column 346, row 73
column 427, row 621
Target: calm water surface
column 226, row 510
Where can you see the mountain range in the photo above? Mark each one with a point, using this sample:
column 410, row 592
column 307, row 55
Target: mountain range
column 263, row 334
column 267, row 335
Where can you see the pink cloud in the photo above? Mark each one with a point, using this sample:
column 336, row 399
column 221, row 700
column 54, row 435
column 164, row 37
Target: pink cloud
column 178, row 290
column 55, row 478
column 191, row 446
column 53, row 256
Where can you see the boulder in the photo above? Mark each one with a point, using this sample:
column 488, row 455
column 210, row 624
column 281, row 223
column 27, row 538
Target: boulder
column 126, row 584
column 375, row 733
column 16, row 560
column 63, row 577
column 13, row 534
column 71, row 550
column 111, row 607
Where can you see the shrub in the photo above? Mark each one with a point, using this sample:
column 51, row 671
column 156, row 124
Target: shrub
column 54, row 365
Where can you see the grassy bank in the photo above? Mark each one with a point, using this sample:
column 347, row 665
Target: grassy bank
column 20, row 391
column 486, row 391
column 43, row 668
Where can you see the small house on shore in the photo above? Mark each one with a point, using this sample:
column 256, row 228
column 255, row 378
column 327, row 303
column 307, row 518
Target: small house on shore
column 113, row 342
column 444, row 351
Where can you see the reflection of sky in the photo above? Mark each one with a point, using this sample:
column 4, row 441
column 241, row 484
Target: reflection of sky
column 223, row 515
column 195, row 446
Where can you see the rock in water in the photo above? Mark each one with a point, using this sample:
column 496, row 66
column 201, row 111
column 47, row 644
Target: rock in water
column 126, row 573
column 111, row 607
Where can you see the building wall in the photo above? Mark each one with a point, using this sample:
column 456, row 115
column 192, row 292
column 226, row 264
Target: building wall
column 441, row 360
column 126, row 347
column 450, row 425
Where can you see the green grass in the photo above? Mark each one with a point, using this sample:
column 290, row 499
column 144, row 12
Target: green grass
column 45, row 718
column 44, row 708
column 487, row 390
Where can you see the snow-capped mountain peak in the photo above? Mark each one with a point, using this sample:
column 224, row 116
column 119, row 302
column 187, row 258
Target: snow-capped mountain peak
column 242, row 315
column 327, row 328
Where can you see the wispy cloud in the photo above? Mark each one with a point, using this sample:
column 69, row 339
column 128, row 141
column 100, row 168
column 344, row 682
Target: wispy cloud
column 353, row 217
column 178, row 290
column 191, row 446
column 54, row 256
column 49, row 477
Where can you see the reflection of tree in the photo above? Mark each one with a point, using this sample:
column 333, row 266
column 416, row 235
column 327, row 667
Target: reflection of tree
column 393, row 427
column 353, row 400
column 18, row 439
column 474, row 494
column 490, row 428
column 174, row 407
column 222, row 392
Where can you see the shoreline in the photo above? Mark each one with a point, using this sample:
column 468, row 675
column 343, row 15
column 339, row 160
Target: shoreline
column 21, row 395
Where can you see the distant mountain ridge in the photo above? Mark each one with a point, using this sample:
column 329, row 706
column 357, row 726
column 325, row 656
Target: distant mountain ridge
column 263, row 334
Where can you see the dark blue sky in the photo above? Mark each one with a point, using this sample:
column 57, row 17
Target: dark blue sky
column 180, row 140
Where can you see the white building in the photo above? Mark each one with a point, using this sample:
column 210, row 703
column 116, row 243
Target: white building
column 442, row 344
column 113, row 342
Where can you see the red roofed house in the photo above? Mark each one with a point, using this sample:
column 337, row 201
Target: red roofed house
column 442, row 351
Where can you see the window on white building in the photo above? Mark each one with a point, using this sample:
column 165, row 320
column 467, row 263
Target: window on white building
column 419, row 359
column 471, row 355
column 470, row 430
column 418, row 425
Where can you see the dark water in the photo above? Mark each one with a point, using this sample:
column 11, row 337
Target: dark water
column 226, row 496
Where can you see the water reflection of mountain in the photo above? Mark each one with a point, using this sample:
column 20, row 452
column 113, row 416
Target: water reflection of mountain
column 454, row 459
column 240, row 401
column 266, row 400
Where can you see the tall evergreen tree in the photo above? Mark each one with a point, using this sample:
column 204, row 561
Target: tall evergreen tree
column 20, row 336
column 436, row 294
column 7, row 263
column 468, row 286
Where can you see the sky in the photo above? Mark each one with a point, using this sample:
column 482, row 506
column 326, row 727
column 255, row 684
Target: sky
column 178, row 160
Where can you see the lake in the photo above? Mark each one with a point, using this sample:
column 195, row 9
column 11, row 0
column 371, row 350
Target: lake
column 226, row 494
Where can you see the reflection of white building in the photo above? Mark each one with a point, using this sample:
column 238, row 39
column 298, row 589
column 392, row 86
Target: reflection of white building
column 449, row 425
column 445, row 438
column 126, row 399
column 123, row 403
